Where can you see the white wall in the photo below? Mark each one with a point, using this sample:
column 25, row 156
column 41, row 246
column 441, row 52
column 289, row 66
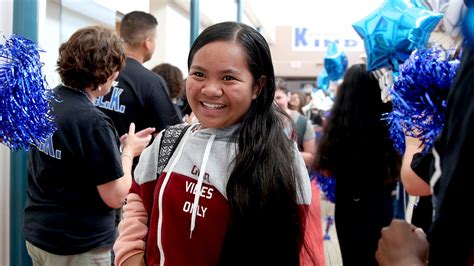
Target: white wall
column 126, row 6
column 49, row 37
column 6, row 23
column 57, row 23
column 4, row 204
column 172, row 45
column 178, row 40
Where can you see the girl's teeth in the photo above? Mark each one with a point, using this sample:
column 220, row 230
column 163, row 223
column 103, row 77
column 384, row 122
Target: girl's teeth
column 213, row 106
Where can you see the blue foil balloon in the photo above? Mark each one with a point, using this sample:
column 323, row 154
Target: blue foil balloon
column 468, row 26
column 25, row 114
column 418, row 3
column 322, row 82
column 393, row 31
column 335, row 62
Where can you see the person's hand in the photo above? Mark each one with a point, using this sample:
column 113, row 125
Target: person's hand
column 402, row 244
column 415, row 142
column 135, row 260
column 134, row 143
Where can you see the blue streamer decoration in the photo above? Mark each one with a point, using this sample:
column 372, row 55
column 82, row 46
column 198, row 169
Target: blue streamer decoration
column 393, row 31
column 327, row 185
column 419, row 96
column 25, row 114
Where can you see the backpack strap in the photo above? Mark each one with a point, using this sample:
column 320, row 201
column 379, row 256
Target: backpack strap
column 300, row 130
column 169, row 141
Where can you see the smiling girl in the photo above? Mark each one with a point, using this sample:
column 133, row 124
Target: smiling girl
column 236, row 190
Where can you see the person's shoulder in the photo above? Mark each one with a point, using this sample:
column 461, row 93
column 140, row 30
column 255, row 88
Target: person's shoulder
column 138, row 71
column 147, row 78
column 94, row 119
column 296, row 116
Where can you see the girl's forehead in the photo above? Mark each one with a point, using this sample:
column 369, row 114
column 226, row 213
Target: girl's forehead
column 220, row 54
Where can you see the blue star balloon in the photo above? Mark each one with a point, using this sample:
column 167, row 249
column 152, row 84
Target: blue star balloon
column 322, row 82
column 393, row 31
column 335, row 62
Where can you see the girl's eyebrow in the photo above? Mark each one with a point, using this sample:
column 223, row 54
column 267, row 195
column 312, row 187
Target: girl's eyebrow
column 230, row 70
column 196, row 67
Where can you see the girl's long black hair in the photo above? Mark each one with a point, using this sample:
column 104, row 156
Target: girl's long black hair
column 356, row 141
column 267, row 225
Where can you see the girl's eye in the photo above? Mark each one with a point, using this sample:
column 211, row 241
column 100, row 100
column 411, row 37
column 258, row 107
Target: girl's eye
column 198, row 74
column 228, row 78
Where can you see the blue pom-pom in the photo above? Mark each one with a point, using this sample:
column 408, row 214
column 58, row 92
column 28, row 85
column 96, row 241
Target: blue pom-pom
column 25, row 114
column 419, row 96
column 327, row 185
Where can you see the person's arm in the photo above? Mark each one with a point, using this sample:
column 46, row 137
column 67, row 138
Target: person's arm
column 309, row 145
column 113, row 193
column 402, row 244
column 413, row 184
column 129, row 247
column 308, row 152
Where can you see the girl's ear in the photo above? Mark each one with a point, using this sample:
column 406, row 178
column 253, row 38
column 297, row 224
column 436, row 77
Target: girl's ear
column 260, row 84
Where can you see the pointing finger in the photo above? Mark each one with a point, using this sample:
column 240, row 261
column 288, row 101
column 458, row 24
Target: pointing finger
column 131, row 129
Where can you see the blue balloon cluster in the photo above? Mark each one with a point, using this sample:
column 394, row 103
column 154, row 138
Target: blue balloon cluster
column 419, row 96
column 322, row 82
column 335, row 62
column 393, row 31
column 25, row 113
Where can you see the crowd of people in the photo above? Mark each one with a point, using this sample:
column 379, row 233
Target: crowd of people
column 215, row 169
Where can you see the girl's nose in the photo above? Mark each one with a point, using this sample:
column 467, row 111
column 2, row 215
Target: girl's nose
column 212, row 89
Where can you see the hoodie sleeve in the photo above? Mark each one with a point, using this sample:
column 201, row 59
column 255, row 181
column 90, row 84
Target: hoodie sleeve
column 132, row 230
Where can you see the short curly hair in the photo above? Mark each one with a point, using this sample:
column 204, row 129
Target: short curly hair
column 173, row 78
column 90, row 57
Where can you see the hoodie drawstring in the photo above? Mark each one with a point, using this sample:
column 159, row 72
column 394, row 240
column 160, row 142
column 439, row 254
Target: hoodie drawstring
column 160, row 199
column 197, row 195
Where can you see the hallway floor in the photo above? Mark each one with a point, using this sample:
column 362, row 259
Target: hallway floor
column 331, row 245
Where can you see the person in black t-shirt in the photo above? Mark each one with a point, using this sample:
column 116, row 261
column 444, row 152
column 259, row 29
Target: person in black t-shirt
column 141, row 96
column 78, row 175
column 451, row 238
